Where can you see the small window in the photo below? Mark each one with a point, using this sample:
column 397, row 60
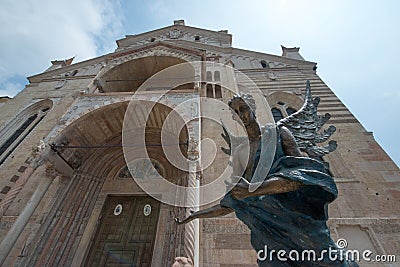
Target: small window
column 152, row 39
column 210, row 90
column 217, row 76
column 218, row 91
column 281, row 103
column 197, row 38
column 73, row 73
column 5, row 189
column 277, row 114
column 264, row 64
column 209, row 76
column 14, row 178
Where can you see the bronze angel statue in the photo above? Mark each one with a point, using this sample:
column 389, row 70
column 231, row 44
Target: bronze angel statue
column 284, row 187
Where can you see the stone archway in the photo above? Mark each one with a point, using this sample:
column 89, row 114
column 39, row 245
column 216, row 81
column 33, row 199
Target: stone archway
column 128, row 76
column 91, row 145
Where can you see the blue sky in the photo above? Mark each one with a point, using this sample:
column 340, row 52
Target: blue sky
column 353, row 42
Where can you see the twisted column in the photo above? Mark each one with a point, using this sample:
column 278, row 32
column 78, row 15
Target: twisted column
column 192, row 200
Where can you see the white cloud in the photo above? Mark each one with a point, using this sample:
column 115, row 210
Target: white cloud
column 36, row 32
column 9, row 88
column 353, row 42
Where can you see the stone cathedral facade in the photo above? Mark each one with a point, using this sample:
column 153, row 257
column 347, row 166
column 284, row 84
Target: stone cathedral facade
column 68, row 199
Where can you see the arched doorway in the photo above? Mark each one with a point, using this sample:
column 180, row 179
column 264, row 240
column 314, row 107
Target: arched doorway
column 77, row 214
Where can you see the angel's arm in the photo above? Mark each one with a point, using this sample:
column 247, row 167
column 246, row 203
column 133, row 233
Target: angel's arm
column 214, row 211
column 274, row 185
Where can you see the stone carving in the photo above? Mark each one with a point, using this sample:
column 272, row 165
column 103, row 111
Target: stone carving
column 36, row 158
column 271, row 75
column 75, row 159
column 193, row 148
column 37, row 150
column 125, row 173
column 175, row 34
column 288, row 209
column 146, row 168
column 224, row 229
column 50, row 171
column 182, row 262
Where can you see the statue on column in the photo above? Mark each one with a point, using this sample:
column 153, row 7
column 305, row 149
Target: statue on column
column 287, row 209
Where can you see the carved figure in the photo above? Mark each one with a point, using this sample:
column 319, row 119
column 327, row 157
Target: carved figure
column 182, row 262
column 288, row 209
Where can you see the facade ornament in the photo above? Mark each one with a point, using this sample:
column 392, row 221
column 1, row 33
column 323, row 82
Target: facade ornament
column 36, row 159
column 182, row 262
column 50, row 171
column 175, row 34
column 193, row 149
column 76, row 160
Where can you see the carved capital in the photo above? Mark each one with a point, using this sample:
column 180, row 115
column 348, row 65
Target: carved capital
column 51, row 172
column 193, row 149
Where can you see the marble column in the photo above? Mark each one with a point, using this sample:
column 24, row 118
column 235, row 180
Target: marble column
column 192, row 228
column 16, row 229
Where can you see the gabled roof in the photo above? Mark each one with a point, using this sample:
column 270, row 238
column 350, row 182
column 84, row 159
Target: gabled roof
column 178, row 31
column 181, row 37
column 171, row 46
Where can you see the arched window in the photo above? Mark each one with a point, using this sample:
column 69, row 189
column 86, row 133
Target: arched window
column 284, row 104
column 217, row 76
column 277, row 114
column 264, row 64
column 16, row 130
column 209, row 76
column 210, row 91
column 218, row 91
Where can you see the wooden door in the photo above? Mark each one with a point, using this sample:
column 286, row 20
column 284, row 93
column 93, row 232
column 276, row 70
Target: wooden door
column 125, row 237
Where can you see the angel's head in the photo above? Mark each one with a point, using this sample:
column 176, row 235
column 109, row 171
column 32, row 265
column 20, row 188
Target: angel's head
column 244, row 106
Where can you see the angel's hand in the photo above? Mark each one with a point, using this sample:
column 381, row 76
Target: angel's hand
column 214, row 211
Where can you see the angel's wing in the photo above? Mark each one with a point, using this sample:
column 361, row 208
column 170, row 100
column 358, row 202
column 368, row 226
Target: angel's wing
column 306, row 124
